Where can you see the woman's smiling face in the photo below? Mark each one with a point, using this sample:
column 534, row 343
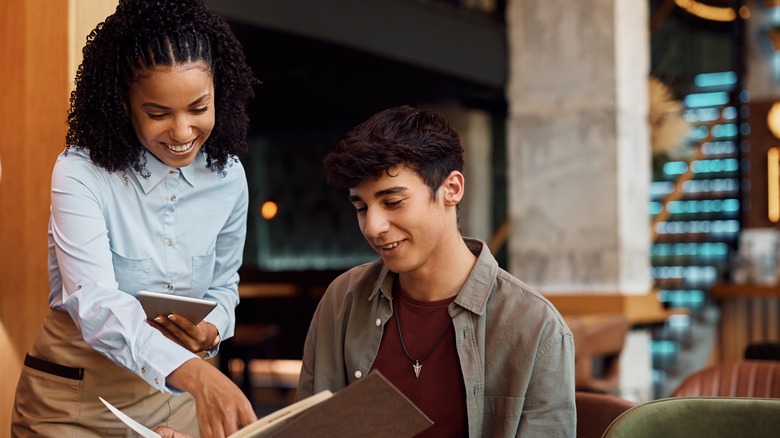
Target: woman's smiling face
column 172, row 111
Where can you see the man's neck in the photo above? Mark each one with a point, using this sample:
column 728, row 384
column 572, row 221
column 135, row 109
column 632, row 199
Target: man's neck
column 443, row 279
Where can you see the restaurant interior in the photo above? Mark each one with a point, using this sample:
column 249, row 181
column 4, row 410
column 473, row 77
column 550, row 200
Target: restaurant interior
column 685, row 196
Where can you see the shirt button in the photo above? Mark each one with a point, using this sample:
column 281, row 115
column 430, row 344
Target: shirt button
column 156, row 382
column 378, row 322
column 169, row 286
column 358, row 374
column 143, row 370
column 172, row 172
column 173, row 198
column 169, row 242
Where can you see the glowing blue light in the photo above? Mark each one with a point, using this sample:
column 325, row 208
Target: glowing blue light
column 729, row 113
column 675, row 167
column 714, row 166
column 664, row 347
column 715, row 79
column 719, row 148
column 728, row 130
column 699, row 100
column 683, row 296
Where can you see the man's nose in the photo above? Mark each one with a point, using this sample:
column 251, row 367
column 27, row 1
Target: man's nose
column 375, row 223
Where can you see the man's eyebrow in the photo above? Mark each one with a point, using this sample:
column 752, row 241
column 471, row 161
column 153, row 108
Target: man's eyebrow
column 390, row 191
column 379, row 194
column 153, row 105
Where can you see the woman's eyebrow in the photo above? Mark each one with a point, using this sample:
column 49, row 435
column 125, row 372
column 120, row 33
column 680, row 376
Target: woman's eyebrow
column 157, row 106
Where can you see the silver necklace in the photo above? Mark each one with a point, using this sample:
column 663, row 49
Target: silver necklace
column 416, row 363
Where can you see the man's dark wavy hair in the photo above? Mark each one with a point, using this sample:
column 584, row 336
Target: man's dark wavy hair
column 144, row 34
column 421, row 140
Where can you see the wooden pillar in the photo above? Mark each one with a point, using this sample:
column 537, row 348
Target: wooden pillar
column 33, row 109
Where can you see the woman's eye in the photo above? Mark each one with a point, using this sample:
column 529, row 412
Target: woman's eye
column 200, row 110
column 156, row 116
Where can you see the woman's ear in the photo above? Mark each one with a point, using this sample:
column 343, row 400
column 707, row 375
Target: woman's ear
column 453, row 188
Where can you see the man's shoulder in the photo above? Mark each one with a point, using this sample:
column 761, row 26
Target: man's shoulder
column 514, row 293
column 358, row 280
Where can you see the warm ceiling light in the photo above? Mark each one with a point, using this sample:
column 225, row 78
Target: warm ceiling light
column 269, row 210
column 707, row 12
column 773, row 119
column 773, row 184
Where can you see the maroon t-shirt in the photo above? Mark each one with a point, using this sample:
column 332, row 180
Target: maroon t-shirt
column 439, row 391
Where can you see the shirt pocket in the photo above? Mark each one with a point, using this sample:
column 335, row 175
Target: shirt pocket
column 202, row 272
column 131, row 274
column 502, row 415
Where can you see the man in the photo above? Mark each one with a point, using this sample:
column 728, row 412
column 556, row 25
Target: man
column 473, row 347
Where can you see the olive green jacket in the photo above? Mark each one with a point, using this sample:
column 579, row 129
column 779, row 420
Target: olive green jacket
column 516, row 352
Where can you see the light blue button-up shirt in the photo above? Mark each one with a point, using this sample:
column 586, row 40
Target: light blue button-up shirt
column 111, row 235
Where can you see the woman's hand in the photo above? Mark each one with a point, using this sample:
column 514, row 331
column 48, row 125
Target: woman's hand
column 221, row 406
column 196, row 338
column 167, row 432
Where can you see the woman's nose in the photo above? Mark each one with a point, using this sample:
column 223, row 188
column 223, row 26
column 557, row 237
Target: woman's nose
column 181, row 131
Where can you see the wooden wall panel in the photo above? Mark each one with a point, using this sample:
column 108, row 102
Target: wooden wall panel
column 745, row 321
column 33, row 106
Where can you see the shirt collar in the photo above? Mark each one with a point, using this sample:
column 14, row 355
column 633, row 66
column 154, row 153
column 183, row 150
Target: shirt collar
column 159, row 170
column 481, row 281
column 474, row 294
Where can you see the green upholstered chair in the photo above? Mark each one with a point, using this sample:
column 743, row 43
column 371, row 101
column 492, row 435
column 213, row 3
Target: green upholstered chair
column 694, row 417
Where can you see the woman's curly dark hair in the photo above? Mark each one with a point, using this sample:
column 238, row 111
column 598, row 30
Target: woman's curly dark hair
column 144, row 34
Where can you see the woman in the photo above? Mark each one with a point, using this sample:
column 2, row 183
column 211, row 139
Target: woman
column 148, row 195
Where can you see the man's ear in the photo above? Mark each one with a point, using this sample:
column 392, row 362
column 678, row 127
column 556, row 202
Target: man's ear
column 453, row 188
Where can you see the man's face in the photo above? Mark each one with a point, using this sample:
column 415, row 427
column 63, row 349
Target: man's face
column 400, row 220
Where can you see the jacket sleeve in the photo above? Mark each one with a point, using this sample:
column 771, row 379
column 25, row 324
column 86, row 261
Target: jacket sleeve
column 549, row 408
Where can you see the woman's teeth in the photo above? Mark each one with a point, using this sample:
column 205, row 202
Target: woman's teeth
column 179, row 148
column 390, row 246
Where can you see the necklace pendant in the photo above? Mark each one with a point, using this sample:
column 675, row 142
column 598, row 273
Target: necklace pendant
column 417, row 368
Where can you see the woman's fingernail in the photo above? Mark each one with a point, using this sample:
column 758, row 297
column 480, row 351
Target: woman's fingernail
column 171, row 317
column 159, row 319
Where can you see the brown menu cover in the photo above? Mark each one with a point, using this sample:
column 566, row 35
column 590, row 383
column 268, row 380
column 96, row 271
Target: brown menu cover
column 370, row 407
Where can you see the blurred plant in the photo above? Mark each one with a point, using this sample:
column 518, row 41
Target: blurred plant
column 668, row 126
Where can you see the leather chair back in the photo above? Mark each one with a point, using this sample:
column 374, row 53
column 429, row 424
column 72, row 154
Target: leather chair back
column 596, row 411
column 744, row 378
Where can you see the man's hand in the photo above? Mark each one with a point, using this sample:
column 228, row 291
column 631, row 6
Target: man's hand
column 221, row 406
column 167, row 432
column 196, row 338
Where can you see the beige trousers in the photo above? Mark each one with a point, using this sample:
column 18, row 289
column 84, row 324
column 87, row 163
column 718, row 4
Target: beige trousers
column 58, row 390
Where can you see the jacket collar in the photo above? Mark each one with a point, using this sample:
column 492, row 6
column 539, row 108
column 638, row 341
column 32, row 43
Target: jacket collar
column 475, row 292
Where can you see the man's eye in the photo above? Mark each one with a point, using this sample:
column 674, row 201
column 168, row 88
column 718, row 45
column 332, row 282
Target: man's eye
column 394, row 203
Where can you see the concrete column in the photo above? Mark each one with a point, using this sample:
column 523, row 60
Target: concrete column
column 579, row 153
